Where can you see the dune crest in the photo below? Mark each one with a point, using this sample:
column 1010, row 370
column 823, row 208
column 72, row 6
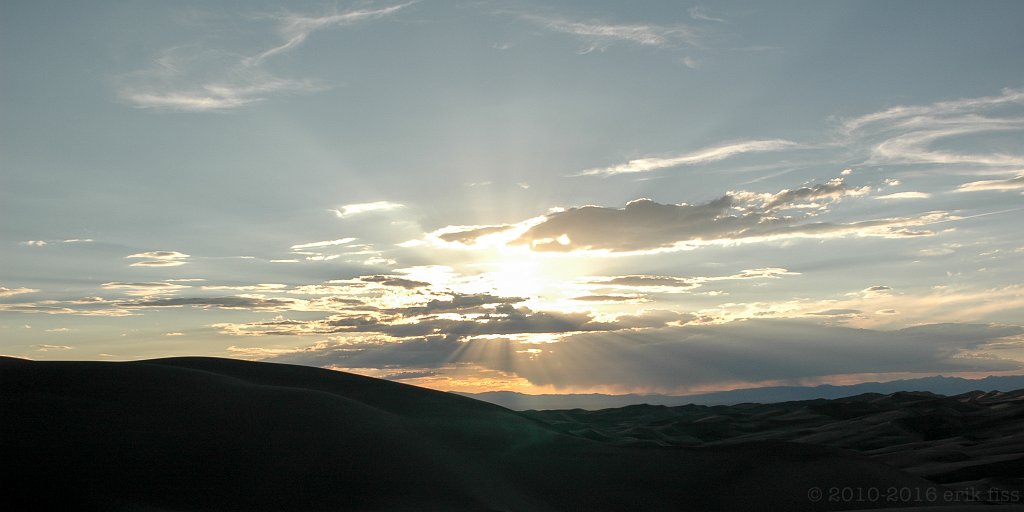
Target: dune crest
column 220, row 434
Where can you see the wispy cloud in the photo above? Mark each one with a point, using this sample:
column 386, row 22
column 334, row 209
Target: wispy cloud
column 41, row 243
column 700, row 13
column 144, row 288
column 295, row 29
column 913, row 134
column 1016, row 183
column 599, row 34
column 349, row 210
column 216, row 96
column 961, row 106
column 46, row 348
column 710, row 154
column 159, row 259
column 193, row 78
column 905, row 195
column 7, row 292
column 672, row 284
column 325, row 243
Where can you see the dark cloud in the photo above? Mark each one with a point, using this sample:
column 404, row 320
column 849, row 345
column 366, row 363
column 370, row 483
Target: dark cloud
column 645, row 280
column 503, row 319
column 837, row 312
column 878, row 288
column 458, row 302
column 217, row 302
column 467, row 236
column 789, row 198
column 645, row 225
column 668, row 358
column 158, row 285
column 417, row 354
column 650, row 281
column 387, row 280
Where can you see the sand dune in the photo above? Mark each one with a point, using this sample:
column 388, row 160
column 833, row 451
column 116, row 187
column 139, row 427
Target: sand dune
column 217, row 434
column 970, row 443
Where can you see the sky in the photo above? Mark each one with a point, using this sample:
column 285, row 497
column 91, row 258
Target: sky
column 544, row 197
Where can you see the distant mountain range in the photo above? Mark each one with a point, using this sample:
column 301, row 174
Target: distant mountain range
column 937, row 384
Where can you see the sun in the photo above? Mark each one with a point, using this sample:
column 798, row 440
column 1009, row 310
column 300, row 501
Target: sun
column 546, row 281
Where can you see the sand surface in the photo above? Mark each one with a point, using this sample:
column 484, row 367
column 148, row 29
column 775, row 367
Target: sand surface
column 218, row 434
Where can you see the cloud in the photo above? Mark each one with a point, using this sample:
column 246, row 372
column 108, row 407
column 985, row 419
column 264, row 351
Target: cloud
column 253, row 303
column 46, row 348
column 952, row 304
column 190, row 78
column 905, row 195
column 644, row 225
column 910, row 134
column 159, row 259
column 600, row 34
column 699, row 13
column 40, row 243
column 608, row 298
column 217, row 96
column 675, row 358
column 804, row 197
column 467, row 234
column 761, row 350
column 401, row 282
column 359, row 208
column 961, row 106
column 295, row 29
column 144, row 288
column 458, row 302
column 670, row 284
column 259, row 287
column 1015, row 183
column 836, row 312
column 326, row 243
column 459, row 316
column 645, row 281
column 7, row 292
column 711, row 154
column 194, row 78
column 88, row 306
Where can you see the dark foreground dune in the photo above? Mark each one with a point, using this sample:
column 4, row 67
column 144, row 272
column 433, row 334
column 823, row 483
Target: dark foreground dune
column 216, row 434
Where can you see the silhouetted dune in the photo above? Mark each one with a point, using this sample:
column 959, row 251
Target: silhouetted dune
column 217, row 434
column 972, row 442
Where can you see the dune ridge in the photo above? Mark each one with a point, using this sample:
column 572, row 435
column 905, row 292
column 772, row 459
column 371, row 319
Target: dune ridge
column 220, row 434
